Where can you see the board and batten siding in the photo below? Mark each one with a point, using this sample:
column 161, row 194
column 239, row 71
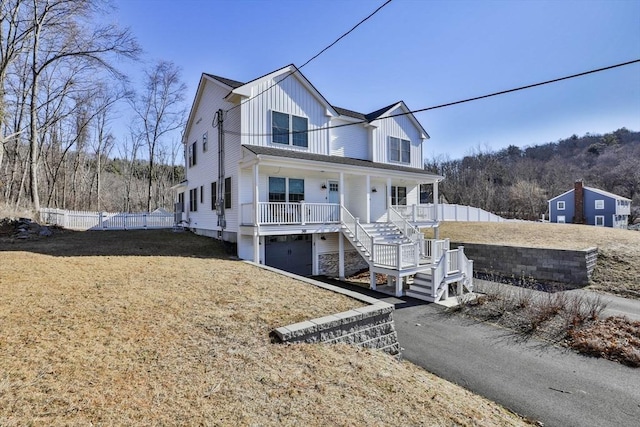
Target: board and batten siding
column 206, row 169
column 398, row 127
column 286, row 96
column 349, row 141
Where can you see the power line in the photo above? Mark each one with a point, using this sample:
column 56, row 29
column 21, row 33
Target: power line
column 448, row 104
column 314, row 56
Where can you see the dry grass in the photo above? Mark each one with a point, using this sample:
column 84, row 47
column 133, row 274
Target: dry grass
column 618, row 268
column 614, row 338
column 154, row 328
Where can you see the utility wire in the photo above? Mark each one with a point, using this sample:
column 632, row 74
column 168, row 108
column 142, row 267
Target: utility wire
column 296, row 69
column 476, row 98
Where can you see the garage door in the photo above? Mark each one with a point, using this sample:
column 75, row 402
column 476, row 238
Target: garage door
column 291, row 253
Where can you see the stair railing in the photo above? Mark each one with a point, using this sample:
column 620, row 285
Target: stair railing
column 360, row 235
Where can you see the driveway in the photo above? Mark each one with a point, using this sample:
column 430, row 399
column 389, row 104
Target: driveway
column 545, row 383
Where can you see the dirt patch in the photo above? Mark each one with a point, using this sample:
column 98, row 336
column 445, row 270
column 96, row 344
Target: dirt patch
column 618, row 267
column 155, row 327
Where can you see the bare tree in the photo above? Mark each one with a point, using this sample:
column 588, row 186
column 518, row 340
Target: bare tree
column 161, row 111
column 62, row 30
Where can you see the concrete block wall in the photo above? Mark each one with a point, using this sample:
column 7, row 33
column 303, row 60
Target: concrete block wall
column 572, row 268
column 370, row 326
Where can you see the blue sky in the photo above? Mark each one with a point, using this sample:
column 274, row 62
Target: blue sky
column 423, row 52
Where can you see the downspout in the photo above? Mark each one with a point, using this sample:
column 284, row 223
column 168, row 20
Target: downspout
column 222, row 222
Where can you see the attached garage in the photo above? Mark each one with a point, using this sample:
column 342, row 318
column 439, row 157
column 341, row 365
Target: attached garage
column 292, row 253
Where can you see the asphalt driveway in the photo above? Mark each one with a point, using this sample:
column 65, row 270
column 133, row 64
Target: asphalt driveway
column 550, row 384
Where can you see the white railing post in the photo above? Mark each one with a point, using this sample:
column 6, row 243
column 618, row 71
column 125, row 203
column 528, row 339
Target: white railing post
column 303, row 213
column 415, row 212
column 356, row 229
column 399, row 256
column 461, row 263
column 144, row 220
column 446, row 262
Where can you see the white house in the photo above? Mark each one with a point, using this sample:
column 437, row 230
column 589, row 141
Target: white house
column 311, row 188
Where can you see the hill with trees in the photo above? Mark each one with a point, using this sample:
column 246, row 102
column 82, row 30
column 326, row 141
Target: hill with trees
column 517, row 182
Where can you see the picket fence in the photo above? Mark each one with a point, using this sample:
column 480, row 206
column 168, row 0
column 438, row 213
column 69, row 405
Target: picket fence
column 82, row 220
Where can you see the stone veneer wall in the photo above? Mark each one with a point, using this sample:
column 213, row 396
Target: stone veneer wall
column 572, row 268
column 370, row 326
column 353, row 263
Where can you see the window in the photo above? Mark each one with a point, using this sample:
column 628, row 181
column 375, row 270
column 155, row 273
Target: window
column 561, row 219
column 281, row 123
column 561, row 205
column 600, row 220
column 214, row 195
column 202, row 194
column 599, row 204
column 286, row 189
column 205, row 145
column 193, row 200
column 398, row 196
column 192, row 154
column 227, row 193
column 399, row 150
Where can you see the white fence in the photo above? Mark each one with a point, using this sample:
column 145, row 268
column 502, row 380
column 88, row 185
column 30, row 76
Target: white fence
column 448, row 212
column 82, row 220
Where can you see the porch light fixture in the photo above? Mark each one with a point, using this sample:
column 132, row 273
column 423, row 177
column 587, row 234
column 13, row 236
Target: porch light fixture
column 323, row 186
column 373, row 190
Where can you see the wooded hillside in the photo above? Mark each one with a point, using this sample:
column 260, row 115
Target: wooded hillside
column 517, row 182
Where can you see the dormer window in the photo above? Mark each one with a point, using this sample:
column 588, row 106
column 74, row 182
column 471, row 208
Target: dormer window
column 289, row 129
column 399, row 150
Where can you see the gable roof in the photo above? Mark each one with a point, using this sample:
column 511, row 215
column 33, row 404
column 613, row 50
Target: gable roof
column 231, row 83
column 595, row 190
column 349, row 161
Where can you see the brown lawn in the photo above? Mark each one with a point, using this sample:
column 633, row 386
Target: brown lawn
column 154, row 327
column 618, row 268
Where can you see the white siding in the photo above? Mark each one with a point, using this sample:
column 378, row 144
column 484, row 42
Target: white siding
column 206, row 169
column 330, row 244
column 399, row 127
column 349, row 141
column 287, row 96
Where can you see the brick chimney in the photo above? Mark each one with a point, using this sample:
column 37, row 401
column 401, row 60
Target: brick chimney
column 578, row 197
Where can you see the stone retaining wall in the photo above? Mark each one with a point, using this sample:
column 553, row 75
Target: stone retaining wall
column 572, row 268
column 353, row 263
column 370, row 326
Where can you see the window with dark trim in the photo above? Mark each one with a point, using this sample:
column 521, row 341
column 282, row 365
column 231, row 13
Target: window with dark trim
column 289, row 129
column 286, row 189
column 193, row 200
column 214, row 195
column 399, row 150
column 192, row 154
column 227, row 193
column 398, row 196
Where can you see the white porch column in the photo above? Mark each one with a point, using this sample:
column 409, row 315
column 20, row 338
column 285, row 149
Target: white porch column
column 436, row 208
column 388, row 192
column 399, row 281
column 256, row 215
column 341, row 188
column 367, row 217
column 340, row 256
column 372, row 279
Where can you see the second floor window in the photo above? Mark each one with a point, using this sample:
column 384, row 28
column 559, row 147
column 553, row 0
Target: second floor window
column 192, row 154
column 399, row 150
column 289, row 129
column 561, row 205
column 599, row 204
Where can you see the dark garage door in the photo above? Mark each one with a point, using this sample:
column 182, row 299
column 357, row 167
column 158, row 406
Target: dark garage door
column 291, row 253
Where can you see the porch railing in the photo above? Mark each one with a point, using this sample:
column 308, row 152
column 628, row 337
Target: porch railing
column 411, row 232
column 283, row 213
column 417, row 213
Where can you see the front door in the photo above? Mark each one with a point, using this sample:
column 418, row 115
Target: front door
column 334, row 192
